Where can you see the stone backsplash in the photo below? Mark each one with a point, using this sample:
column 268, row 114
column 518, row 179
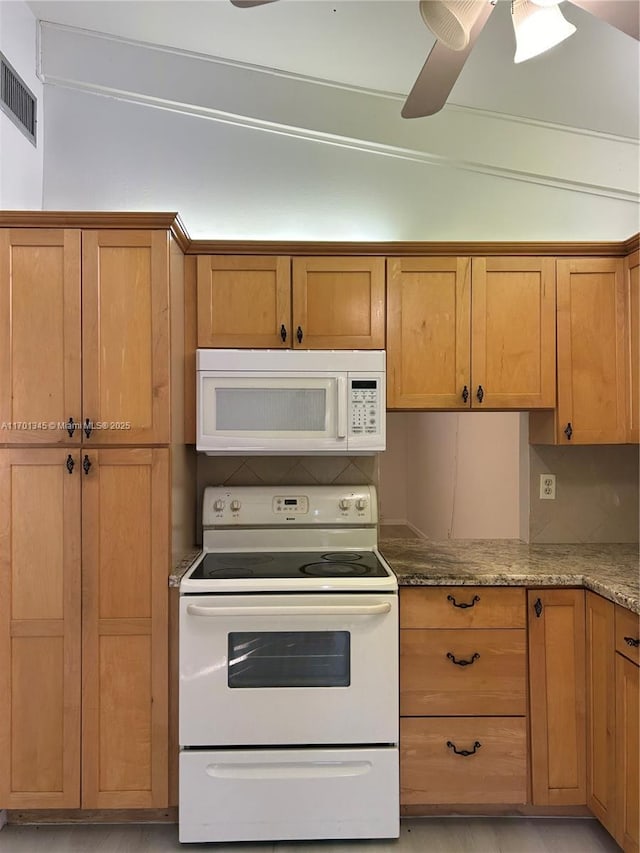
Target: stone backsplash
column 596, row 494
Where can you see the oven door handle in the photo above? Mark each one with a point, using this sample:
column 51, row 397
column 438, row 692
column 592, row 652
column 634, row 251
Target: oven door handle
column 293, row 610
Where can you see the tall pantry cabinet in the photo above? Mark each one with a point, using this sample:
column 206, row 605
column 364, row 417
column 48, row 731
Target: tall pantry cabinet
column 91, row 386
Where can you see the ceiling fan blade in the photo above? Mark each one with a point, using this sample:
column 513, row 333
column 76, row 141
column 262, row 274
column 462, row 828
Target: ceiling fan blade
column 247, row 4
column 439, row 73
column 622, row 14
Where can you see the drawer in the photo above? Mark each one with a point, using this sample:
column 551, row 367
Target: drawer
column 463, row 672
column 627, row 633
column 463, row 607
column 431, row 772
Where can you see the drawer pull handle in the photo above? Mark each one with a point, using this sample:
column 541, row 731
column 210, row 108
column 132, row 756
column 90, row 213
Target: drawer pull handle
column 462, row 604
column 452, row 658
column 631, row 641
column 538, row 608
column 465, row 752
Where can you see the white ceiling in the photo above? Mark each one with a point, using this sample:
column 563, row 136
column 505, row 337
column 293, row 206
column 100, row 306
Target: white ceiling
column 590, row 81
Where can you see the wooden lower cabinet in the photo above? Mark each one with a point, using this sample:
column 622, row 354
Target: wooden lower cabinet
column 83, row 628
column 557, row 696
column 463, row 760
column 601, row 709
column 627, row 826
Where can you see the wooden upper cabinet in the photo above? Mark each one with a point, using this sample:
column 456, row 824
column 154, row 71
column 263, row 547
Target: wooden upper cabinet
column 40, row 628
column 338, row 303
column 557, row 696
column 592, row 370
column 40, row 330
column 471, row 334
column 244, row 301
column 125, row 336
column 125, row 547
column 633, row 348
column 252, row 301
column 513, row 333
column 428, row 343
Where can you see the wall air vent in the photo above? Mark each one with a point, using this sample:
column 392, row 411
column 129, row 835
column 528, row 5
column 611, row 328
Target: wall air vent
column 16, row 100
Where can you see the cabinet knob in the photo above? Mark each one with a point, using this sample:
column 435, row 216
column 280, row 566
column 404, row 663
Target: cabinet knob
column 70, row 464
column 299, row 334
column 71, row 427
column 86, row 464
column 538, row 608
column 480, row 393
column 283, row 333
column 465, row 394
column 88, row 426
column 632, row 641
column 568, row 431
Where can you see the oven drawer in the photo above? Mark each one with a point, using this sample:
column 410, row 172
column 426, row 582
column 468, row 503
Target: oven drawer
column 464, row 672
column 432, row 772
column 269, row 795
column 463, row 607
column 627, row 633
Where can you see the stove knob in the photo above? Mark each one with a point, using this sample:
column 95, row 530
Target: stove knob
column 361, row 503
column 344, row 503
column 235, row 506
column 218, row 505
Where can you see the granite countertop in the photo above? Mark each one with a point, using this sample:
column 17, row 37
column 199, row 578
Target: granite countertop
column 610, row 570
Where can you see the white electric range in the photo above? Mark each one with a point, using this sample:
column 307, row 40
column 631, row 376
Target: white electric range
column 289, row 669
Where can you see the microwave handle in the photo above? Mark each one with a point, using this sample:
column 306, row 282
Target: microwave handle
column 342, row 407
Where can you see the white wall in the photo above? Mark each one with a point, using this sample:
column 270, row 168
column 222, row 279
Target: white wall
column 243, row 153
column 21, row 164
column 461, row 474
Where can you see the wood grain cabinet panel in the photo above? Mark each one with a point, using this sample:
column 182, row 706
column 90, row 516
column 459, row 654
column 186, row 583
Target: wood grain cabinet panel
column 40, row 379
column 39, row 629
column 463, row 607
column 463, row 672
column 600, row 683
column 592, row 370
column 125, row 542
column 244, row 301
column 633, row 347
column 125, row 336
column 428, row 339
column 627, row 755
column 432, row 772
column 468, row 333
column 557, row 695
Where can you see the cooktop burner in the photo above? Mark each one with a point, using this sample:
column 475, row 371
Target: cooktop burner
column 289, row 564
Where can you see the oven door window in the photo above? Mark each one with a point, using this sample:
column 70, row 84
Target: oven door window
column 289, row 659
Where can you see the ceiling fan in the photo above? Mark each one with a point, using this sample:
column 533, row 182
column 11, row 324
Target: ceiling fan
column 456, row 24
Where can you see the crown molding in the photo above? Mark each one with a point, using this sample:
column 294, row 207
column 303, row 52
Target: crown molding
column 172, row 222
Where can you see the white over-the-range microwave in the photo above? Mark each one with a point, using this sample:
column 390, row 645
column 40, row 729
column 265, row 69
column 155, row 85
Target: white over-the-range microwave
column 286, row 402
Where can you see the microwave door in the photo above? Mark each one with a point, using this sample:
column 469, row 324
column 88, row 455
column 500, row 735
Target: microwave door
column 272, row 413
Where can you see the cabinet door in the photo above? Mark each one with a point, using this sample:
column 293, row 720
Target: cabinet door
column 125, row 555
column 244, row 301
column 513, row 333
column 125, row 336
column 600, row 672
column 39, row 629
column 627, row 755
column 591, row 358
column 428, row 344
column 338, row 303
column 39, row 335
column 633, row 348
column 557, row 696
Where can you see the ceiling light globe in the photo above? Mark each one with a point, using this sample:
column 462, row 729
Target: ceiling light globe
column 451, row 21
column 538, row 28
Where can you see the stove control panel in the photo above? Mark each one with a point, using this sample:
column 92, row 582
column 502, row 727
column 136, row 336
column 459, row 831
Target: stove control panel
column 294, row 506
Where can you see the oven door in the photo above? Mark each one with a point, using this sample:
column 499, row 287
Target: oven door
column 288, row 669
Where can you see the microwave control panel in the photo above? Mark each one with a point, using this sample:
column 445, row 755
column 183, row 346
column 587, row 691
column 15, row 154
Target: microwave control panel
column 365, row 407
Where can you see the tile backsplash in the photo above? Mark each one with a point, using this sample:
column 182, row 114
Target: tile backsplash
column 282, row 470
column 596, row 494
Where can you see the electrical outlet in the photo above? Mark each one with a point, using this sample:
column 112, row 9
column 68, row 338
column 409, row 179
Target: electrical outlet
column 547, row 487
